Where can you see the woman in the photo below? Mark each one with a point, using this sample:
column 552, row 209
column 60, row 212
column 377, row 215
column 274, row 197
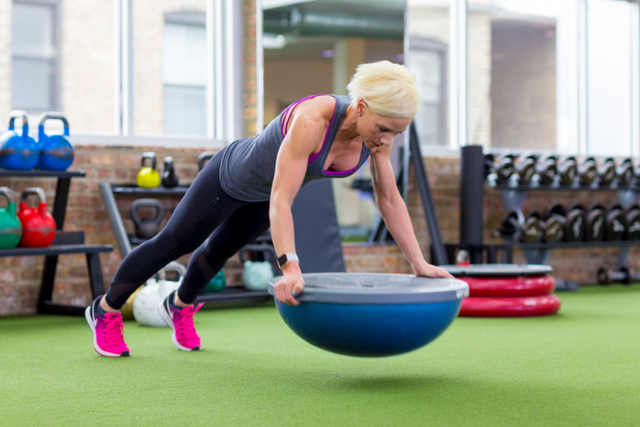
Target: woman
column 250, row 186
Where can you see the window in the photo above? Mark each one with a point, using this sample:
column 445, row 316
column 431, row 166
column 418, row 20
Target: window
column 427, row 59
column 184, row 74
column 428, row 33
column 512, row 73
column 34, row 73
column 609, row 78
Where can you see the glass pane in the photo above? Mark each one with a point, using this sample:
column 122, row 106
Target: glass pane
column 609, row 76
column 31, row 84
column 185, row 110
column 32, row 30
column 512, row 71
column 169, row 67
column 428, row 28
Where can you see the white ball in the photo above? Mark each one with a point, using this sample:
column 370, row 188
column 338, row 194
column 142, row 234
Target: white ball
column 145, row 306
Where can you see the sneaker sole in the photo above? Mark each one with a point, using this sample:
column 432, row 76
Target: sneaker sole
column 169, row 321
column 87, row 315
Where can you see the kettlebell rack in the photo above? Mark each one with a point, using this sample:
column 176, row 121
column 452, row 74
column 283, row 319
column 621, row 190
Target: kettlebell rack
column 66, row 242
column 230, row 295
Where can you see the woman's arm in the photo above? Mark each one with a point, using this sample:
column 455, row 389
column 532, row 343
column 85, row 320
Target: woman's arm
column 395, row 214
column 302, row 139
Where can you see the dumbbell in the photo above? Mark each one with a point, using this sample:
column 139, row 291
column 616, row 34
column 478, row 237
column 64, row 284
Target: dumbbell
column 607, row 171
column 567, row 169
column 594, row 222
column 588, row 171
column 625, row 172
column 615, row 222
column 526, row 167
column 554, row 222
column 606, row 276
column 574, row 227
column 632, row 216
column 571, row 223
column 504, row 167
column 516, row 226
column 547, row 168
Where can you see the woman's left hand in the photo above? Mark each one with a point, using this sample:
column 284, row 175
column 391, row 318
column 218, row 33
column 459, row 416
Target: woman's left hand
column 424, row 269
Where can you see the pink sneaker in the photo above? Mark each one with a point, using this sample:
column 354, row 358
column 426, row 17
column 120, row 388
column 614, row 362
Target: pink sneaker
column 107, row 332
column 184, row 334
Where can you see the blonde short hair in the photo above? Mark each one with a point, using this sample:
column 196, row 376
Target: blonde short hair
column 388, row 89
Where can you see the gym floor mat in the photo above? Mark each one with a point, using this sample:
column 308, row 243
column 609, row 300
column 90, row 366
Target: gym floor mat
column 577, row 368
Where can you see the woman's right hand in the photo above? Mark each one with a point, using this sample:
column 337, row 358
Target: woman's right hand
column 291, row 282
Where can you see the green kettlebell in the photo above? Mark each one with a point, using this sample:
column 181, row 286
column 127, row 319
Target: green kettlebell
column 10, row 226
column 148, row 176
column 256, row 275
column 217, row 284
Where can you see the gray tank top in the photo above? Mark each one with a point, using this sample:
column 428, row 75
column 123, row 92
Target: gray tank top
column 248, row 165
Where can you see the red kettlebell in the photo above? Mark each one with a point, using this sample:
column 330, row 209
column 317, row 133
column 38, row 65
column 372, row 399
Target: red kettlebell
column 38, row 226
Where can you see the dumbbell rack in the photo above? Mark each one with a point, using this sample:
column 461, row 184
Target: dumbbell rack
column 538, row 253
column 66, row 242
column 230, row 295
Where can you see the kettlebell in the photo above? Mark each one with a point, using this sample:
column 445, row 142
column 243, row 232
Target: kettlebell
column 169, row 177
column 256, row 275
column 204, row 158
column 148, row 176
column 146, row 228
column 10, row 227
column 56, row 151
column 18, row 152
column 38, row 226
column 216, row 284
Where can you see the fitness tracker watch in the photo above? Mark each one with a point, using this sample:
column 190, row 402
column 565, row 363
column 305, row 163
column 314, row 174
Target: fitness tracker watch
column 285, row 259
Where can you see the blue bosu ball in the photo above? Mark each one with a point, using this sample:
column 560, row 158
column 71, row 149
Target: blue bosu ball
column 372, row 315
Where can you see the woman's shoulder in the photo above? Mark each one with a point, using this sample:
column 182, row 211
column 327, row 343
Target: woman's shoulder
column 321, row 106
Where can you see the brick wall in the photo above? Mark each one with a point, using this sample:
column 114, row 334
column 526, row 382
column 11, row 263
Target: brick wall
column 20, row 277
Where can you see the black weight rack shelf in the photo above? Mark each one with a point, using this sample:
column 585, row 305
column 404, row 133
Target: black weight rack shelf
column 513, row 197
column 231, row 295
column 65, row 242
column 613, row 187
column 131, row 190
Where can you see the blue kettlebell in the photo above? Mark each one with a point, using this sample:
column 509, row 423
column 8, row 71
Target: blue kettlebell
column 18, row 152
column 56, row 151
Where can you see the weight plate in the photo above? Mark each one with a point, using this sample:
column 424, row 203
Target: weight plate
column 498, row 270
column 520, row 286
column 542, row 305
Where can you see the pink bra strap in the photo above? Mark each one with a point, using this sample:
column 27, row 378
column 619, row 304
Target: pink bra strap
column 288, row 113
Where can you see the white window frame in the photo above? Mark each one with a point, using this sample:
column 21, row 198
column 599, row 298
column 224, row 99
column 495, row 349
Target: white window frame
column 225, row 51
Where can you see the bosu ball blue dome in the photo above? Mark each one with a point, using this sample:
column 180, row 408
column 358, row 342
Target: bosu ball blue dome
column 372, row 315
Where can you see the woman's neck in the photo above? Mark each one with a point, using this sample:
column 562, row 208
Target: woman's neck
column 349, row 128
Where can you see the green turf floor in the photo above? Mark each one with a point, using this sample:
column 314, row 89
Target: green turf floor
column 578, row 368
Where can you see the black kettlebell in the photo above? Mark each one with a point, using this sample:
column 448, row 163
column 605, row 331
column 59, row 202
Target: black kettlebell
column 146, row 228
column 204, row 158
column 169, row 177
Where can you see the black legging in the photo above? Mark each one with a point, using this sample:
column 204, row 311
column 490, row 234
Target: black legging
column 205, row 211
